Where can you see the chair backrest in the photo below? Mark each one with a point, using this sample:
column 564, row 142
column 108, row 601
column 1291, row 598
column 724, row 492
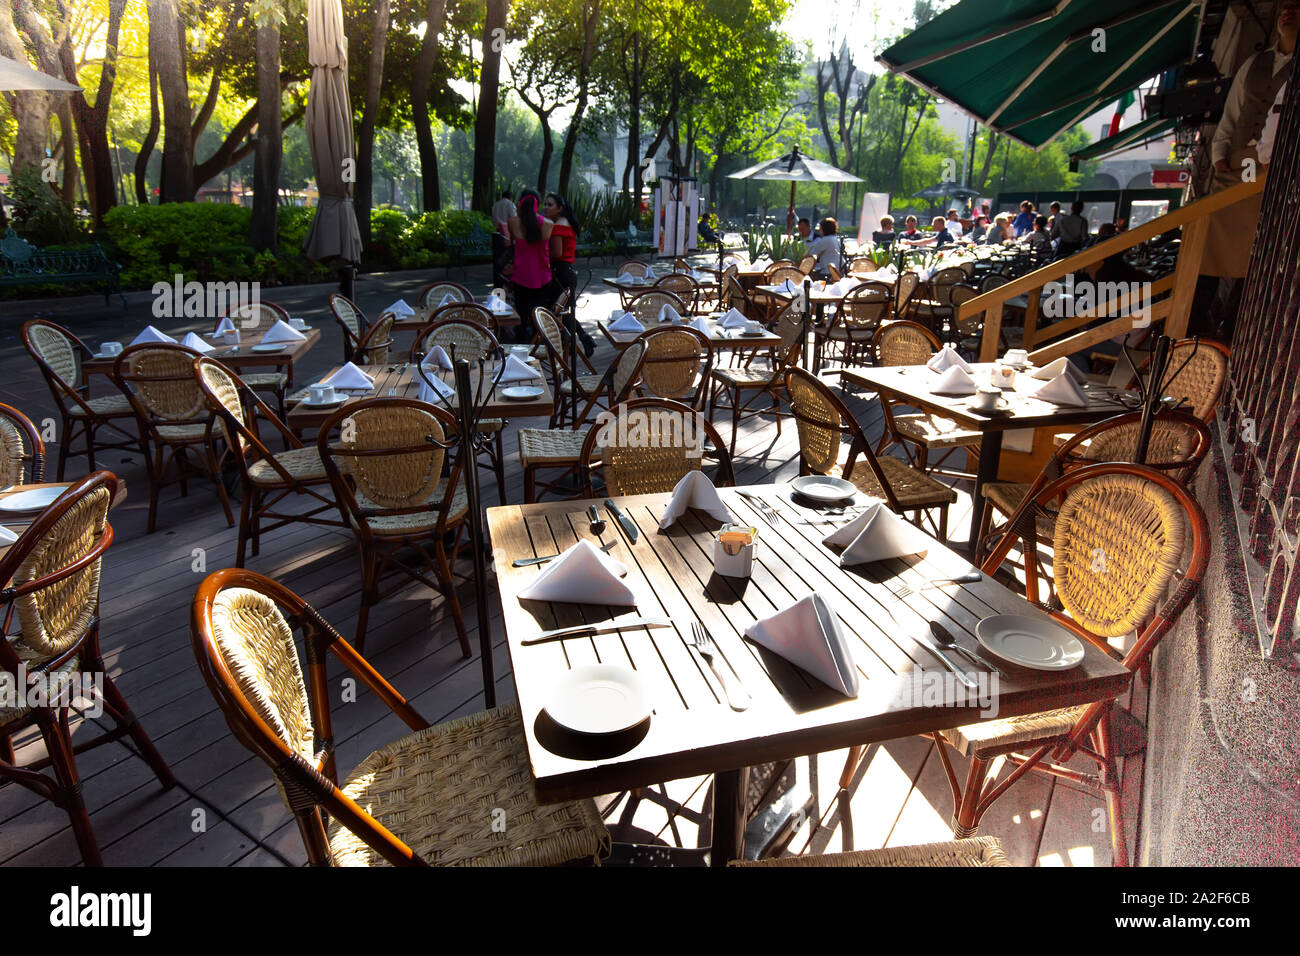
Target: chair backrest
column 807, row 263
column 466, row 312
column 22, row 452
column 431, row 296
column 159, row 380
column 647, row 305
column 681, row 265
column 862, row 266
column 903, row 290
column 1201, row 369
column 734, row 296
column 942, row 283
column 994, row 280
column 53, row 570
column 238, row 411
column 783, row 263
column 959, row 295
column 245, row 649
column 548, row 327
column 351, row 323
column 388, row 464
column 375, row 345
column 255, row 315
column 1179, row 443
column 631, row 267
column 617, row 382
column 459, row 338
column 682, row 286
column 968, row 267
column 57, row 353
column 789, row 325
column 834, row 273
column 865, row 306
column 648, row 445
column 677, row 363
column 904, row 343
column 779, row 274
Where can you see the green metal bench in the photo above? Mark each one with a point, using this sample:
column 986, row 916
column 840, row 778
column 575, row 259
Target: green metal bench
column 21, row 263
column 589, row 248
column 461, row 249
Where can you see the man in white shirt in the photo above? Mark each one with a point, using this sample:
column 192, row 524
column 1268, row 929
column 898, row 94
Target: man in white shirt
column 502, row 210
column 953, row 225
column 1071, row 229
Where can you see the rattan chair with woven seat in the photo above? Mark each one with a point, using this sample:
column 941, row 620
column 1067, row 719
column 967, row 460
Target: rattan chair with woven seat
column 427, row 798
column 351, row 321
column 824, row 423
column 767, row 305
column 51, row 626
column 745, row 388
column 59, row 354
column 904, row 294
column 647, row 306
column 22, row 451
column 735, row 297
column 835, row 274
column 677, row 364
column 1179, row 443
column 646, row 446
column 807, row 264
column 684, row 287
column 847, row 336
column 561, row 448
column 387, row 472
column 1154, row 541
column 778, row 274
column 936, row 312
column 971, row 852
column 376, row 343
column 466, row 312
column 631, row 267
column 432, row 295
column 550, row 329
column 263, row 315
column 862, row 266
column 267, row 480
column 175, row 421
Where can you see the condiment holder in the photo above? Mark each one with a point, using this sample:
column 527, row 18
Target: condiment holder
column 733, row 551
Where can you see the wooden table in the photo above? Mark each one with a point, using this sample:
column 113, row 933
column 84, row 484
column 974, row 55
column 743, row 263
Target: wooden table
column 404, row 378
column 721, row 339
column 910, row 385
column 423, row 315
column 692, row 730
column 239, row 358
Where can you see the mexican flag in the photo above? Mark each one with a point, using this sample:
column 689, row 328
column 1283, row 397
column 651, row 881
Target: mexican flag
column 1121, row 106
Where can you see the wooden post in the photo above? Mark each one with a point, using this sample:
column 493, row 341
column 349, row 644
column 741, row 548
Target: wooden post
column 1186, row 275
column 992, row 331
column 1033, row 299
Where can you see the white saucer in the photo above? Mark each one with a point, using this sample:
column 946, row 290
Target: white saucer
column 1032, row 642
column 599, row 699
column 522, row 393
column 824, row 488
column 269, row 347
column 34, row 499
column 307, row 402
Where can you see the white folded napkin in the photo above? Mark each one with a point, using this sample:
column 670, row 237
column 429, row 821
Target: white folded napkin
column 400, row 308
column 695, row 491
column 835, row 289
column 877, row 535
column 517, row 371
column 625, row 277
column 668, row 314
column 495, row 303
column 225, row 325
column 192, row 341
column 849, row 283
column 150, row 334
column 350, row 377
column 438, row 358
column 763, row 263
column 702, row 326
column 733, row 320
column 650, row 272
column 808, row 635
column 1053, row 369
column 282, row 331
column 626, row 323
column 732, row 261
column 946, row 358
column 448, row 299
column 434, row 389
column 581, row 575
column 1062, row 390
column 955, row 381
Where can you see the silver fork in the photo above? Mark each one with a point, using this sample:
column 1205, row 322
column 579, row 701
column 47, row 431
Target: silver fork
column 972, row 577
column 765, row 511
column 393, row 390
column 737, row 697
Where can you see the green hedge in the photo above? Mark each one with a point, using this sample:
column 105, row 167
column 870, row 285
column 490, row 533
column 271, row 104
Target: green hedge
column 398, row 241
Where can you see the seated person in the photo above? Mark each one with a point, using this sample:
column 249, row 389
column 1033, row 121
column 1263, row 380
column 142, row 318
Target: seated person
column 826, row 248
column 884, row 237
column 999, row 230
column 939, row 237
column 706, row 232
column 910, row 233
column 1024, row 223
column 1038, row 241
column 805, row 229
column 979, row 230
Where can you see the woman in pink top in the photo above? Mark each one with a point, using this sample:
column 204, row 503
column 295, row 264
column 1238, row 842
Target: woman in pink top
column 532, row 276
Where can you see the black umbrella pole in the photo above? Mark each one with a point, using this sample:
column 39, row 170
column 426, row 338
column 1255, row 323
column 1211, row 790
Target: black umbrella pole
column 806, row 308
column 469, row 465
column 1154, row 396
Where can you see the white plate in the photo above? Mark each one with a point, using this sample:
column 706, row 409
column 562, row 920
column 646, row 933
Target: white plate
column 599, row 699
column 270, row 347
column 522, row 393
column 307, row 402
column 824, row 488
column 1032, row 642
column 34, row 499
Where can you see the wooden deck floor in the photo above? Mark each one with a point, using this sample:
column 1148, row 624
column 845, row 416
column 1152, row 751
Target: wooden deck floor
column 225, row 810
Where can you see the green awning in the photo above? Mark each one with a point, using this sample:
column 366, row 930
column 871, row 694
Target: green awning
column 1032, row 69
column 1148, row 129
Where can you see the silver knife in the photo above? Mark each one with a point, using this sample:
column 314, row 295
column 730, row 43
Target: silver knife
column 929, row 645
column 603, row 628
column 629, row 527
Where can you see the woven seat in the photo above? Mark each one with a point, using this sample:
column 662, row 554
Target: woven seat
column 183, row 433
column 742, row 377
column 973, row 852
column 421, row 521
column 303, row 464
column 481, row 760
column 30, row 658
column 934, row 431
column 550, row 446
column 912, row 488
column 995, row 736
column 586, row 385
column 106, row 405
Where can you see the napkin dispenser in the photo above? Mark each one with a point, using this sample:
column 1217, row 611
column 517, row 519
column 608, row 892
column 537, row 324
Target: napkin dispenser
column 733, row 551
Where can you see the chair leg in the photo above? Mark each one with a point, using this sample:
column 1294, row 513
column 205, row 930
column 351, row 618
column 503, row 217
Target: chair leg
column 1110, row 783
column 500, row 465
column 453, row 602
column 245, row 523
column 851, row 766
column 58, row 744
column 966, row 816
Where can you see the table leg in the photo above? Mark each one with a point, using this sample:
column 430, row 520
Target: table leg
column 990, row 453
column 729, row 816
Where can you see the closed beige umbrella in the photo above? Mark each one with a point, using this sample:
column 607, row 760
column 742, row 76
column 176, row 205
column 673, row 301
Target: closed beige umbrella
column 334, row 230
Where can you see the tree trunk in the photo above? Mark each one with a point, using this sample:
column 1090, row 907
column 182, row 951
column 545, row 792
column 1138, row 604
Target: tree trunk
column 150, row 138
column 485, row 122
column 67, row 152
column 590, row 17
column 31, row 108
column 989, row 153
column 167, row 43
column 364, row 195
column 266, row 163
column 421, row 77
column 548, row 149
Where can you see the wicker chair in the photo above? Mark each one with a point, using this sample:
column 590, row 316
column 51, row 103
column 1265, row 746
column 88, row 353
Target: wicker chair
column 641, row 467
column 263, row 315
column 856, row 318
column 426, row 798
column 51, row 619
column 762, row 383
column 824, row 422
column 767, row 304
column 266, row 479
column 22, row 452
column 919, row 435
column 781, row 273
column 862, row 266
column 1201, row 370
column 375, row 345
column 631, row 267
column 1155, row 542
column 938, row 310
column 735, row 297
column 561, row 448
column 431, row 296
column 677, row 365
column 174, row 420
column 972, row 852
column 467, row 312
column 387, row 474
column 835, row 274
column 647, row 305
column 684, row 287
column 58, row 354
column 550, row 329
column 351, row 320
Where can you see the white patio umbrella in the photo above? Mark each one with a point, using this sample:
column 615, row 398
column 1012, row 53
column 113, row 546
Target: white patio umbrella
column 795, row 167
column 333, row 230
column 16, row 75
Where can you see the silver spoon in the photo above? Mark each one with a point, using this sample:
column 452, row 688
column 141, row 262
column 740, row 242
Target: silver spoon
column 597, row 522
column 946, row 639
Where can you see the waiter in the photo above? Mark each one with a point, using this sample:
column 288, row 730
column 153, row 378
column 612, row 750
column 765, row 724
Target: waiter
column 1257, row 87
